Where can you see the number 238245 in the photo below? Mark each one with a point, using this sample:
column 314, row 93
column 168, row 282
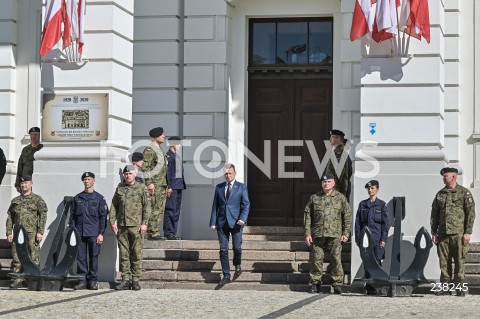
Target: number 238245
column 445, row 286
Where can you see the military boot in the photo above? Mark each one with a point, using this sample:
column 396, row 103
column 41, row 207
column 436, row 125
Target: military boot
column 124, row 285
column 136, row 285
column 17, row 283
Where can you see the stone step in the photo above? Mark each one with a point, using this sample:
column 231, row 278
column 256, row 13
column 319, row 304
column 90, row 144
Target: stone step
column 273, row 237
column 273, row 230
column 6, row 253
column 472, row 268
column 174, row 254
column 247, row 266
column 5, row 262
column 213, row 244
column 214, row 277
column 473, row 258
column 214, row 265
column 474, row 247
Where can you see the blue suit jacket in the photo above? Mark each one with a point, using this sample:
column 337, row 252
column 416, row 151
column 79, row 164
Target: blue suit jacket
column 236, row 208
column 174, row 181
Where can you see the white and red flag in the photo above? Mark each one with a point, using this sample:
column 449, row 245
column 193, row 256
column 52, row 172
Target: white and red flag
column 64, row 25
column 52, row 28
column 363, row 17
column 379, row 18
column 386, row 23
column 74, row 23
column 415, row 19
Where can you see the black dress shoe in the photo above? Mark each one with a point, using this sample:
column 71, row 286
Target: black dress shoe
column 92, row 285
column 81, row 286
column 238, row 270
column 225, row 280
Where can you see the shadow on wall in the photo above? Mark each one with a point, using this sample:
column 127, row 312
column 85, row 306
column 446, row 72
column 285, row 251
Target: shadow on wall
column 389, row 69
column 58, row 59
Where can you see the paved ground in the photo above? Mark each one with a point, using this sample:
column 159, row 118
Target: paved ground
column 166, row 303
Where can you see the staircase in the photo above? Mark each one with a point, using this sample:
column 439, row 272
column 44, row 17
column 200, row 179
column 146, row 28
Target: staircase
column 5, row 262
column 273, row 258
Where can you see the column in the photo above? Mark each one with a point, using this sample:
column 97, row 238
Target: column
column 107, row 69
column 403, row 114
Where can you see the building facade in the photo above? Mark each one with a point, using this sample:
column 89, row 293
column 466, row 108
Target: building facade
column 258, row 83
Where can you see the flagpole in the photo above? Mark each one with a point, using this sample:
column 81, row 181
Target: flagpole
column 398, row 31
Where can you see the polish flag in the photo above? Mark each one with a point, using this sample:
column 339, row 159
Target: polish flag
column 363, row 17
column 52, row 29
column 415, row 19
column 74, row 23
column 385, row 25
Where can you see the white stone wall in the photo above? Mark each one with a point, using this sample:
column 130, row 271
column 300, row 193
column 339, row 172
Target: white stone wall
column 181, row 83
column 8, row 73
column 107, row 68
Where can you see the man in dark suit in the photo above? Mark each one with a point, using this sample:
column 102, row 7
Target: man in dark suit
column 229, row 214
column 176, row 182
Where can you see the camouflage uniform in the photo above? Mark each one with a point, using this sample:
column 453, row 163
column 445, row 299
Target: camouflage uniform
column 130, row 210
column 25, row 162
column 31, row 212
column 155, row 172
column 341, row 182
column 453, row 214
column 327, row 218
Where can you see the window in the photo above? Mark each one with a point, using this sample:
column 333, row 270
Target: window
column 291, row 41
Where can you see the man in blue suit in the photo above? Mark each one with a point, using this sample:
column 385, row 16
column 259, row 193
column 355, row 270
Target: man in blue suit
column 229, row 214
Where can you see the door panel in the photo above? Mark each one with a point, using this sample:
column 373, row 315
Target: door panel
column 286, row 109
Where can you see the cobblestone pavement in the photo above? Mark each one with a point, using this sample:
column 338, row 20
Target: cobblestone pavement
column 166, row 303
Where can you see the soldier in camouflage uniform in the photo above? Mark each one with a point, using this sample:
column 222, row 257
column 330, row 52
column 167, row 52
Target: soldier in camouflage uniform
column 25, row 161
column 30, row 211
column 452, row 217
column 327, row 225
column 129, row 215
column 155, row 175
column 341, row 179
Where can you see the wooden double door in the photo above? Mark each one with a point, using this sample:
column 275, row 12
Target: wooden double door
column 286, row 112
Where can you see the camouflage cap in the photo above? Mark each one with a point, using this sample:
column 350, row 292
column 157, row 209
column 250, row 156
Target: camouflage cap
column 88, row 174
column 448, row 170
column 26, row 178
column 372, row 183
column 327, row 176
column 34, row 129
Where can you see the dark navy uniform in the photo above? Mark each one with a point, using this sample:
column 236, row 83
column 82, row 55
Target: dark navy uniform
column 3, row 165
column 89, row 216
column 374, row 215
column 174, row 202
